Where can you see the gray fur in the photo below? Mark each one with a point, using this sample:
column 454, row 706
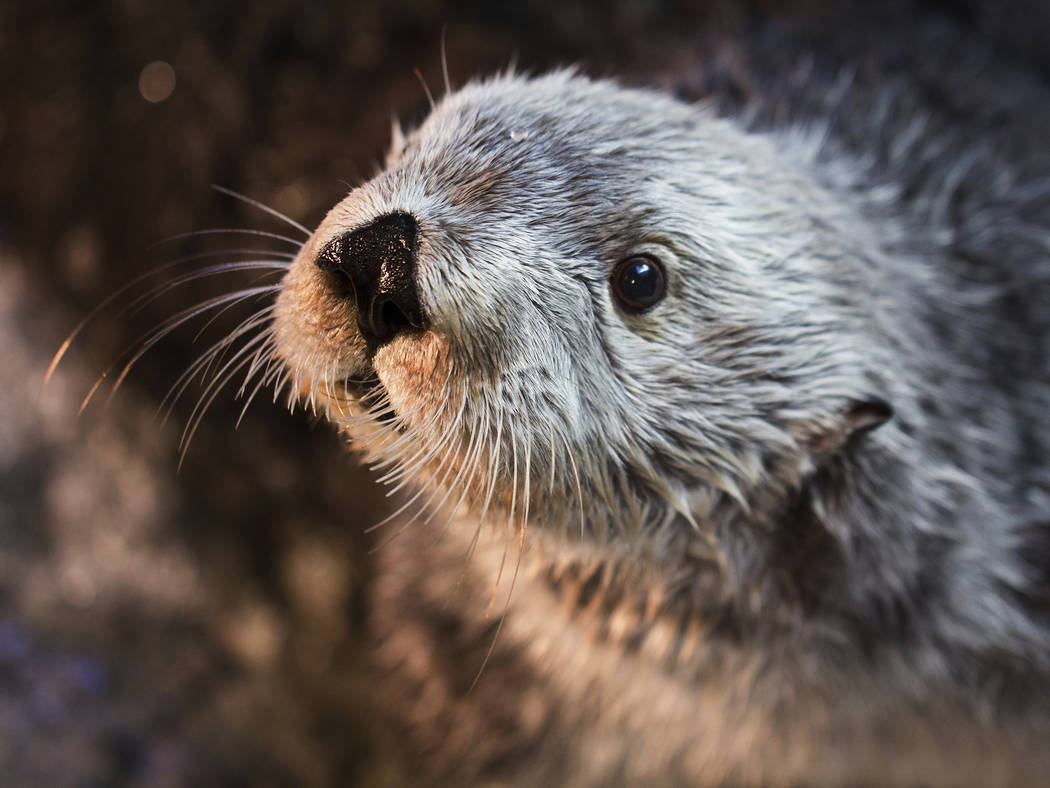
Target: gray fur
column 844, row 599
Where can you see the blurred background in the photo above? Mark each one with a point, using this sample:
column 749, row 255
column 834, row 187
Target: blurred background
column 208, row 626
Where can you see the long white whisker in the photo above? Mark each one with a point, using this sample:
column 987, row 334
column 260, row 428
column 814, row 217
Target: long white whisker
column 517, row 565
column 446, row 445
column 166, row 328
column 258, row 362
column 222, row 377
column 466, row 464
column 513, row 582
column 61, row 352
column 471, row 474
column 513, row 503
column 393, row 454
column 579, row 488
column 262, row 207
column 230, row 231
column 494, row 458
column 416, row 463
column 204, row 361
column 151, row 337
column 269, row 348
column 444, row 59
column 453, row 443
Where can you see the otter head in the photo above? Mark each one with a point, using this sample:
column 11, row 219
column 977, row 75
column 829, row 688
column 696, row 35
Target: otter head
column 596, row 304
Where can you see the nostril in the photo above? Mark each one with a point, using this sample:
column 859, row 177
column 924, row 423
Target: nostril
column 395, row 319
column 386, row 319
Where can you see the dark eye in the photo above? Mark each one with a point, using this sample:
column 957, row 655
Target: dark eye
column 638, row 283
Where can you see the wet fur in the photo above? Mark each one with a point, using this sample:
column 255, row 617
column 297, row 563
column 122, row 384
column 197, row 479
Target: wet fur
column 789, row 526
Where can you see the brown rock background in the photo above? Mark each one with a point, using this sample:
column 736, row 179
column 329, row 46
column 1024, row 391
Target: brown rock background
column 206, row 627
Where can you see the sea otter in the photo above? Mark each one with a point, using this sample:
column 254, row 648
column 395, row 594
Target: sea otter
column 722, row 455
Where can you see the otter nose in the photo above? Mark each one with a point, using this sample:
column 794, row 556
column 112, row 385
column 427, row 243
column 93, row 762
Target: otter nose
column 379, row 260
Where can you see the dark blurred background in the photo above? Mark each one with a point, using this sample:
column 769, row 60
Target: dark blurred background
column 209, row 626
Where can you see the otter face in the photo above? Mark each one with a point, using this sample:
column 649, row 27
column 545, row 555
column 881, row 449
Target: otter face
column 572, row 299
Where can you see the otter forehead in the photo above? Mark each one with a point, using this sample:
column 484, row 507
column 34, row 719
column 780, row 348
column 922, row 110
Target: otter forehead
column 572, row 157
column 559, row 128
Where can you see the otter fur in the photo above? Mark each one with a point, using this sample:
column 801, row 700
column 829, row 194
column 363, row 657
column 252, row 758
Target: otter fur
column 788, row 525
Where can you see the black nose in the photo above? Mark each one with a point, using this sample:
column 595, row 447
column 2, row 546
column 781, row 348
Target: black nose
column 379, row 260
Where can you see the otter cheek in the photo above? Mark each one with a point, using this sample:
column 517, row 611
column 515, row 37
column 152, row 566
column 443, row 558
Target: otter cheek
column 414, row 373
column 316, row 332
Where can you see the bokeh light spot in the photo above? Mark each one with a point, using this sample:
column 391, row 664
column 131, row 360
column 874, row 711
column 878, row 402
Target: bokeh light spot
column 157, row 81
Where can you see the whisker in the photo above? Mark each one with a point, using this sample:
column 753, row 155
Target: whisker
column 262, row 207
column 259, row 362
column 451, row 487
column 455, row 433
column 510, row 591
column 554, row 457
column 91, row 393
column 150, row 338
column 444, row 468
column 393, row 456
column 444, row 59
column 517, row 564
column 494, row 457
column 217, row 352
column 423, row 488
column 187, row 258
column 204, row 361
column 419, row 463
column 64, row 347
column 269, row 346
column 229, row 231
column 283, row 377
column 579, row 489
column 211, row 321
column 471, row 475
column 513, row 504
column 222, row 378
column 140, row 303
column 426, row 88
column 528, row 483
column 202, row 407
column 404, row 468
column 408, row 521
column 488, row 654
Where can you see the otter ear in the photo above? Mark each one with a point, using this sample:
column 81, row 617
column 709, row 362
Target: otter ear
column 863, row 416
column 857, row 417
column 397, row 142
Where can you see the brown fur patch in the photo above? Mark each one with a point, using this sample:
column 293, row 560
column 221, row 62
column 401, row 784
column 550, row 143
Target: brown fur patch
column 413, row 369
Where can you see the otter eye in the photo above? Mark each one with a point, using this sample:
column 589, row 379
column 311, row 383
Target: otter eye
column 638, row 283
